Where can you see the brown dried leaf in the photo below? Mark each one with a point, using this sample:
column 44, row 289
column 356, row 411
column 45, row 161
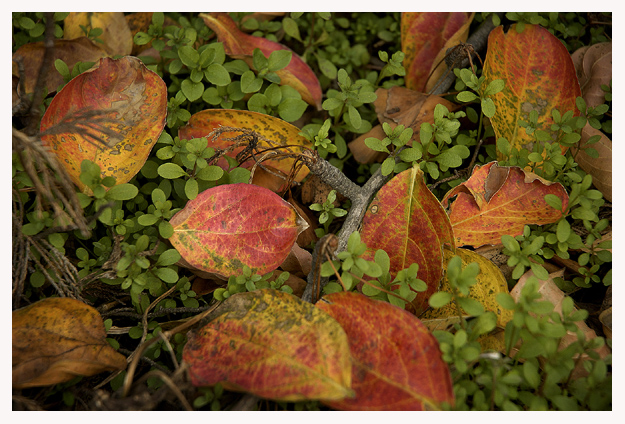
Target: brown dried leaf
column 69, row 51
column 593, row 65
column 601, row 167
column 57, row 339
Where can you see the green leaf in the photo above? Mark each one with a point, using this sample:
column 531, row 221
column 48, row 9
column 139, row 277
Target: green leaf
column 168, row 257
column 439, row 299
column 189, row 56
column 165, row 229
column 466, row 96
column 168, row 275
column 249, row 82
column 292, row 109
column 279, row 59
column 125, row 191
column 354, row 118
column 147, row 219
column 217, row 74
column 291, row 28
column 171, row 171
column 488, row 107
column 191, row 188
column 192, row 90
column 471, row 306
column 327, row 68
column 387, row 166
column 332, row 103
column 210, row 173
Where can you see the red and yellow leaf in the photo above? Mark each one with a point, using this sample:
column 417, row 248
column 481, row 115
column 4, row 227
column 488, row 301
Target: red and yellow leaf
column 133, row 105
column 232, row 225
column 409, row 223
column 241, row 45
column 57, row 339
column 274, row 345
column 397, row 363
column 425, row 38
column 498, row 200
column 280, row 132
column 539, row 75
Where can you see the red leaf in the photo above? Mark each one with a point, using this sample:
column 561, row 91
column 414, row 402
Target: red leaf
column 133, row 102
column 425, row 38
column 397, row 362
column 409, row 223
column 239, row 44
column 232, row 225
column 273, row 345
column 539, row 75
column 498, row 200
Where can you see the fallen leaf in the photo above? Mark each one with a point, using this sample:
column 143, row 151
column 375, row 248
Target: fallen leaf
column 57, row 339
column 279, row 133
column 240, row 45
column 409, row 223
column 69, row 51
column 594, row 68
column 500, row 200
column 116, row 36
column 539, row 75
column 424, row 37
column 298, row 262
column 273, row 345
column 232, row 225
column 490, row 282
column 397, row 363
column 133, row 103
column 308, row 236
column 601, row 167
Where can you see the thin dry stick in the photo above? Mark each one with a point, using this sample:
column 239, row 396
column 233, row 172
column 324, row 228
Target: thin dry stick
column 172, row 386
column 139, row 351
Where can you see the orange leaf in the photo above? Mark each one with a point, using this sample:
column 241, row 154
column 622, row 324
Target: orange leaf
column 116, row 36
column 69, row 51
column 241, row 45
column 273, row 345
column 397, row 363
column 499, row 200
column 232, row 225
column 133, row 103
column 409, row 223
column 280, row 132
column 424, row 39
column 57, row 339
column 539, row 75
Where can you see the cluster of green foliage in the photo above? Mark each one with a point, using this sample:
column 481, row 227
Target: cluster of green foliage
column 131, row 223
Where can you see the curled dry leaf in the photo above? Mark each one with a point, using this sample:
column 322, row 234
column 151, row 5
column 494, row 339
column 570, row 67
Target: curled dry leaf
column 539, row 76
column 425, row 37
column 120, row 102
column 498, row 200
column 274, row 345
column 409, row 223
column 275, row 134
column 232, row 225
column 240, row 45
column 594, row 69
column 69, row 51
column 600, row 167
column 57, row 339
column 397, row 106
column 490, row 282
column 549, row 291
column 397, row 363
column 116, row 36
